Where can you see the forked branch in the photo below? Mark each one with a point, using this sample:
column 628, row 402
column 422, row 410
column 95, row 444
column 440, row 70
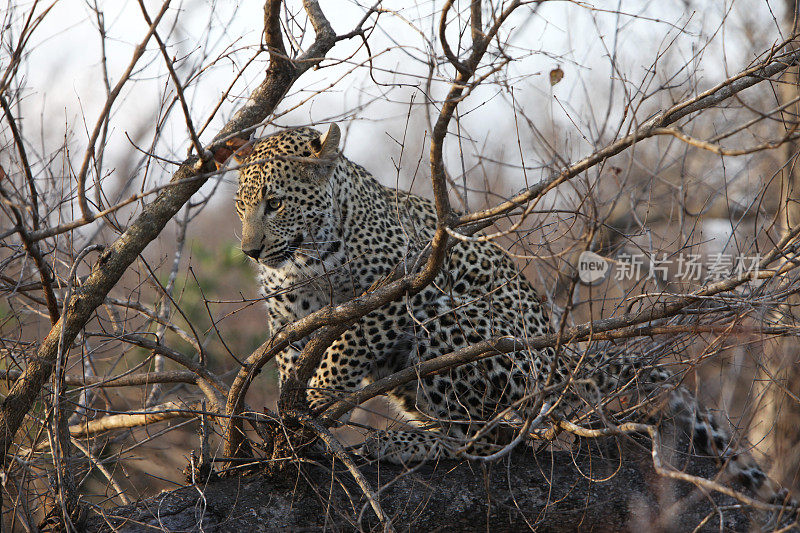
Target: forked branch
column 119, row 255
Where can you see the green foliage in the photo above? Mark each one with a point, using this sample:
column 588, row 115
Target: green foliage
column 215, row 273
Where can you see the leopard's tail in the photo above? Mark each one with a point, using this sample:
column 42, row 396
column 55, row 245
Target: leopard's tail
column 710, row 436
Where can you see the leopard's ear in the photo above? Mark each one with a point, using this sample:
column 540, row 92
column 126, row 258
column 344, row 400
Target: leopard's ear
column 327, row 146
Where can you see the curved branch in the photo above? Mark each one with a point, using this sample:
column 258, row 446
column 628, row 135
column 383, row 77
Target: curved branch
column 658, row 464
column 112, row 96
column 118, row 256
column 460, row 67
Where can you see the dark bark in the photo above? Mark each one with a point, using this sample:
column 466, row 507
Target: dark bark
column 546, row 491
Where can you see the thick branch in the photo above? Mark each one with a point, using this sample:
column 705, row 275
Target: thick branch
column 560, row 491
column 124, row 251
column 129, row 420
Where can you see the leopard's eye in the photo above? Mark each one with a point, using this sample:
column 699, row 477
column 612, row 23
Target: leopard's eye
column 273, row 204
column 240, row 205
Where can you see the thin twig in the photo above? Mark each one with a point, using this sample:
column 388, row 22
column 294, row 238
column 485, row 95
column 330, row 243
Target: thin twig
column 338, row 450
column 90, row 147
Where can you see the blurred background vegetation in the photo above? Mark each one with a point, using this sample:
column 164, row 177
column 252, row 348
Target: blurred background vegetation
column 620, row 63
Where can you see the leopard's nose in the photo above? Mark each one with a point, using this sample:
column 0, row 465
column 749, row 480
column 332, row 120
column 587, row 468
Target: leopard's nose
column 254, row 253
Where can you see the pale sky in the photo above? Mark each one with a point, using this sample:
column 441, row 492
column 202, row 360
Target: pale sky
column 63, row 77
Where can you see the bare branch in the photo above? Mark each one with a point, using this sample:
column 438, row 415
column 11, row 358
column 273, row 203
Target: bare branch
column 342, row 455
column 734, row 85
column 130, row 380
column 178, row 86
column 119, row 255
column 152, row 415
column 90, row 147
column 622, row 326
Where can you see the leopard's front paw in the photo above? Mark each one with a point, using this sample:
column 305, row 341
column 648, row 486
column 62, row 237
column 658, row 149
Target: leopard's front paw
column 403, row 447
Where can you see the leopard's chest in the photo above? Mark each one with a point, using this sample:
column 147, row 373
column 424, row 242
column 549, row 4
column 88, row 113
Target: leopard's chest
column 289, row 298
column 296, row 291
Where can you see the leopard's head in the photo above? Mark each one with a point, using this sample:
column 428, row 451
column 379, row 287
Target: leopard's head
column 284, row 198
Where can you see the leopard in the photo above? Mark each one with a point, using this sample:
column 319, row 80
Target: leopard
column 321, row 230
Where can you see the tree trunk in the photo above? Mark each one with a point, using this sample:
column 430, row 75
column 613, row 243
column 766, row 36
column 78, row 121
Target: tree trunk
column 777, row 428
column 590, row 488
